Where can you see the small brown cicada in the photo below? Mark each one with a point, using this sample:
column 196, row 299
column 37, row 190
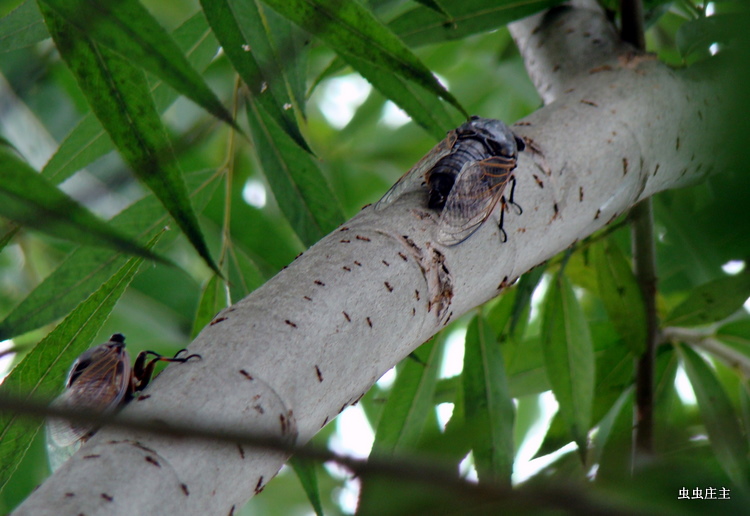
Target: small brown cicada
column 465, row 175
column 100, row 379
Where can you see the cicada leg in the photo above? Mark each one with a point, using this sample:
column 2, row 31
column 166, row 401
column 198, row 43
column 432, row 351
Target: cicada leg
column 143, row 369
column 513, row 203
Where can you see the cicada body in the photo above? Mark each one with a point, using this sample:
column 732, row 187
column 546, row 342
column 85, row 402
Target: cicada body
column 103, row 380
column 465, row 175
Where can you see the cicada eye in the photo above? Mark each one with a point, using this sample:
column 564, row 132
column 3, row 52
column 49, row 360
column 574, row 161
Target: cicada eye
column 501, row 148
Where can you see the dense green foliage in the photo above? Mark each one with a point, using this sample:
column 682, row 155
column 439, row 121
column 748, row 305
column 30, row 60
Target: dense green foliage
column 194, row 128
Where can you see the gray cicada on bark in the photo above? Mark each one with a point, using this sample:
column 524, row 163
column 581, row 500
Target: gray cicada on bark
column 465, row 175
column 100, row 379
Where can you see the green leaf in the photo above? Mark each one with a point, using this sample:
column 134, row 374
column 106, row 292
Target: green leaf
column 292, row 48
column 620, row 294
column 351, row 29
column 409, row 403
column 489, row 409
column 525, row 367
column 569, row 358
column 423, row 106
column 305, row 470
column 244, row 275
column 525, row 289
column 86, row 268
column 435, row 6
column 22, row 27
column 712, row 301
column 10, row 232
column 719, row 417
column 422, row 25
column 213, row 299
column 30, row 200
column 245, row 40
column 298, row 185
column 89, row 141
column 607, row 423
column 736, row 334
column 127, row 28
column 42, row 372
column 696, row 36
column 119, row 96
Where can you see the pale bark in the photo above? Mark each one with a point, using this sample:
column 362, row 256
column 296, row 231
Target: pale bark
column 291, row 356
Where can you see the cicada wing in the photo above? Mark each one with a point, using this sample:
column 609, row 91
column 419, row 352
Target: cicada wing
column 63, row 437
column 478, row 187
column 99, row 380
column 415, row 176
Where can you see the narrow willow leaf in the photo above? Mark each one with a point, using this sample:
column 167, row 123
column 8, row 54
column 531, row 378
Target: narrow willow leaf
column 291, row 46
column 489, row 409
column 244, row 275
column 719, row 417
column 525, row 367
column 435, row 6
column 614, row 374
column 409, row 403
column 240, row 31
column 41, row 373
column 127, row 28
column 305, row 470
column 349, row 28
column 521, row 309
column 88, row 141
column 22, row 27
column 736, row 334
column 275, row 48
column 30, row 200
column 620, row 294
column 119, row 96
column 712, row 301
column 607, row 423
column 569, row 358
column 213, row 299
column 423, row 106
column 745, row 407
column 8, row 235
column 422, row 25
column 298, row 185
column 86, row 268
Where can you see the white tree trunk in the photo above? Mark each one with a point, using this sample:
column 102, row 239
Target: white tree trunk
column 287, row 359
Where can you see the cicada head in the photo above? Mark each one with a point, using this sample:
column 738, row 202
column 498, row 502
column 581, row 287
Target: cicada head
column 99, row 379
column 497, row 136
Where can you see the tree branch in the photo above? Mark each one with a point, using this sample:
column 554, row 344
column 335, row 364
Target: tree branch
column 568, row 498
column 310, row 342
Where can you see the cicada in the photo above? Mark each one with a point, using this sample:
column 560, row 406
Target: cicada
column 100, row 379
column 465, row 175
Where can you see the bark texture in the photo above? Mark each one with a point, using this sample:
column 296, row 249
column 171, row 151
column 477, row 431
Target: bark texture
column 617, row 127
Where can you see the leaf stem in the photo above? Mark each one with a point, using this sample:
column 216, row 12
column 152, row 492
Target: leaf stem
column 644, row 257
column 631, row 19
